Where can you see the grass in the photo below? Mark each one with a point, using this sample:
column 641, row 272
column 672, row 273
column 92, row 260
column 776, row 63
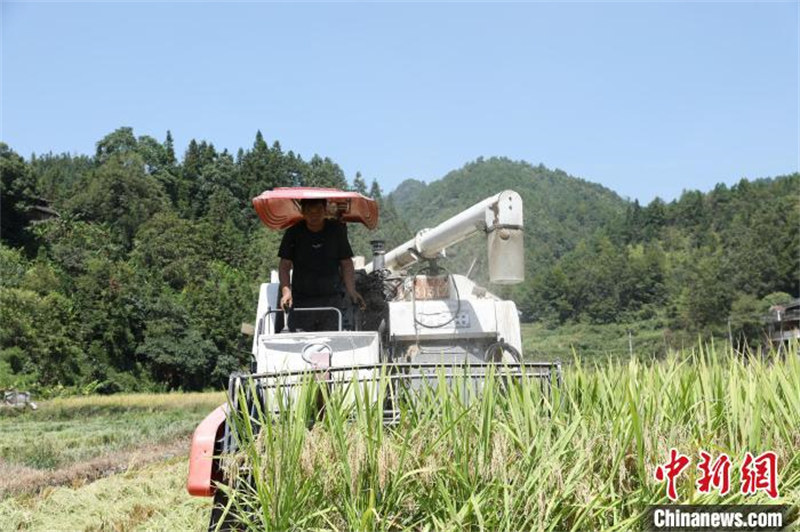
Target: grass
column 589, row 341
column 70, row 430
column 145, row 499
column 102, row 463
column 89, row 405
column 513, row 459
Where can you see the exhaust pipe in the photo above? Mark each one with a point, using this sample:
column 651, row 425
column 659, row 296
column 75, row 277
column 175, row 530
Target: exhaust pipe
column 378, row 254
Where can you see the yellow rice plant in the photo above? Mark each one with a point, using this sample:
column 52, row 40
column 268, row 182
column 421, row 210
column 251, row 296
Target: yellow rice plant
column 508, row 456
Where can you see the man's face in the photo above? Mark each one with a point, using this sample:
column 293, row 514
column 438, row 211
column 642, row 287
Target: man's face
column 314, row 215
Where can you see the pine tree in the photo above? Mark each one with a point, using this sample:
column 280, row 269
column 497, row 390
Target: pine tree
column 359, row 185
column 260, row 145
column 169, row 147
column 375, row 191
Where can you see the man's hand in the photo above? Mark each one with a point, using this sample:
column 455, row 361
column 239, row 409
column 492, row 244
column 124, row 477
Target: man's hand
column 356, row 298
column 284, row 270
column 348, row 276
column 286, row 298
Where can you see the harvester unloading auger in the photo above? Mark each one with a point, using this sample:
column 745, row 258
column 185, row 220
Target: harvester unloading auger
column 417, row 329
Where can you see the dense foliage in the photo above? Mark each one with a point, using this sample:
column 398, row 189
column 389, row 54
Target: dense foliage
column 143, row 278
column 699, row 263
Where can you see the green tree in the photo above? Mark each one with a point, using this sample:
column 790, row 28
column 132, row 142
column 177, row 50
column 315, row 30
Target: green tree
column 171, row 249
column 153, row 154
column 37, row 337
column 70, row 243
column 747, row 320
column 705, row 298
column 226, row 229
column 375, row 191
column 17, row 197
column 775, row 298
column 169, row 149
column 262, row 168
column 359, row 185
column 220, row 304
column 175, row 352
column 120, row 143
column 323, row 172
column 13, row 266
column 120, row 194
column 549, row 298
column 57, row 176
column 262, row 254
column 645, row 285
column 654, row 217
column 111, row 305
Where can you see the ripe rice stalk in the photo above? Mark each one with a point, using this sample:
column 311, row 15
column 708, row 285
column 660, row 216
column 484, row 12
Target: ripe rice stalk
column 506, row 456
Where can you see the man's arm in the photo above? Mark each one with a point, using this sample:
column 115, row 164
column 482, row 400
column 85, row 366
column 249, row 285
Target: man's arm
column 284, row 268
column 349, row 277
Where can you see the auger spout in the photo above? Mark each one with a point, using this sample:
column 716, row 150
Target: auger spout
column 499, row 217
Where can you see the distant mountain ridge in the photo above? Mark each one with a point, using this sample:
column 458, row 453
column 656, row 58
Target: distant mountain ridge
column 591, row 255
column 560, row 209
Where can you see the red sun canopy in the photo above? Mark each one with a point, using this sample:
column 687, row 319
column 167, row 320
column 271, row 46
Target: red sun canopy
column 279, row 208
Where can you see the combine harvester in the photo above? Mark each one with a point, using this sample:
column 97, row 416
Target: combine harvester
column 417, row 328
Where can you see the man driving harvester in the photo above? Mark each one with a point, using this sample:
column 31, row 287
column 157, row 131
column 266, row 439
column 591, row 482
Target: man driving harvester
column 319, row 253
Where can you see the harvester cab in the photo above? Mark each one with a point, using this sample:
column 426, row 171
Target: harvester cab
column 417, row 328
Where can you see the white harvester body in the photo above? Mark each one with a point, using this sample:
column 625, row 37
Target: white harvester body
column 417, row 327
column 438, row 317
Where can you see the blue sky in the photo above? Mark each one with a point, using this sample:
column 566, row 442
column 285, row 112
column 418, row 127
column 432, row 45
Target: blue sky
column 647, row 99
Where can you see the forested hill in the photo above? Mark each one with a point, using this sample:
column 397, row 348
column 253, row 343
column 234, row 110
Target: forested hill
column 133, row 268
column 705, row 262
column 559, row 209
column 591, row 256
column 547, row 194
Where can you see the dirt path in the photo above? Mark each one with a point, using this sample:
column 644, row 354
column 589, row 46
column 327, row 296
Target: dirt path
column 17, row 480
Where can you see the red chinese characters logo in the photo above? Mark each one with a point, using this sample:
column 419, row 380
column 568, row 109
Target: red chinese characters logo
column 716, row 474
column 760, row 473
column 677, row 463
column 756, row 473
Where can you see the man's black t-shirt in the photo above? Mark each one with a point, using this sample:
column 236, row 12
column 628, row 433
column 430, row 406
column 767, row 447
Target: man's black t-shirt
column 315, row 257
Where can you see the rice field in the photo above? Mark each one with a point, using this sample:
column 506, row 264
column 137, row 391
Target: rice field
column 101, row 463
column 513, row 458
column 508, row 457
column 148, row 498
column 71, row 430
